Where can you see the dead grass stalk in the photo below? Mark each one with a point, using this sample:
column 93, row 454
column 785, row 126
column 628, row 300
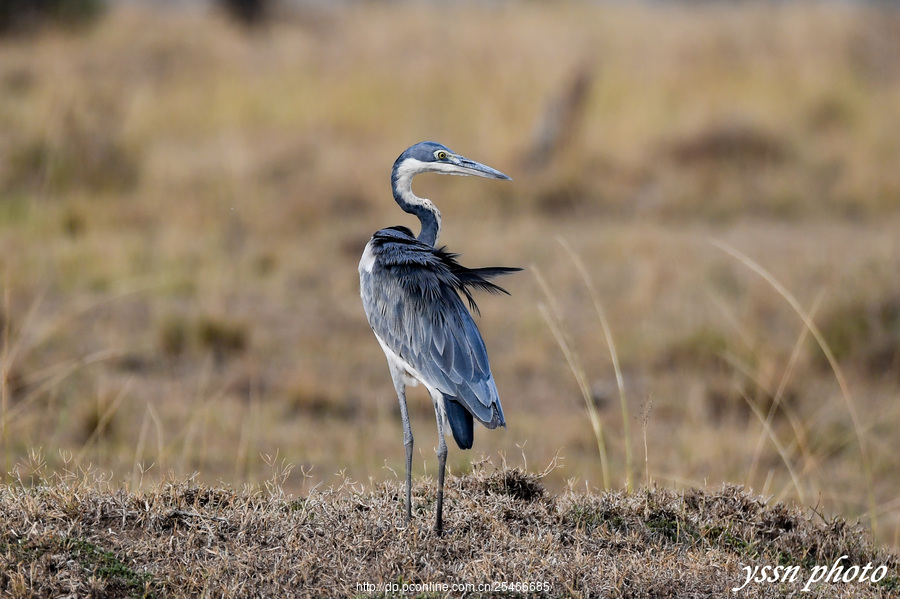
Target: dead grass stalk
column 835, row 367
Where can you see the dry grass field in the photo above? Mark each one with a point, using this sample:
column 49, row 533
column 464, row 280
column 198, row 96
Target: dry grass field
column 77, row 535
column 183, row 204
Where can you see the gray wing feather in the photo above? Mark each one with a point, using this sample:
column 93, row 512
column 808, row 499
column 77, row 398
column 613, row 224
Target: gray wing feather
column 412, row 300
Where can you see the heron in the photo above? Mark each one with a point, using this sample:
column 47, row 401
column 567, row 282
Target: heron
column 412, row 292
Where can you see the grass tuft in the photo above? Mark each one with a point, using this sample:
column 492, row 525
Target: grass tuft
column 515, row 483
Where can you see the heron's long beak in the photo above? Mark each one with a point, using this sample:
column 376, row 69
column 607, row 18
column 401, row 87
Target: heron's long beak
column 460, row 165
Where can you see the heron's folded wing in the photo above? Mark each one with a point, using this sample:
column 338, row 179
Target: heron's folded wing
column 413, row 305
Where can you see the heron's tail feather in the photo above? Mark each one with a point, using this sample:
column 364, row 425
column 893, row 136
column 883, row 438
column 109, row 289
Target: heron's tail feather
column 461, row 423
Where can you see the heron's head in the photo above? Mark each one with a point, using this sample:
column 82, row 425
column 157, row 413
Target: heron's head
column 432, row 157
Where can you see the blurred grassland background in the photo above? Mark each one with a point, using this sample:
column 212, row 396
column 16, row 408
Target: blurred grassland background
column 184, row 200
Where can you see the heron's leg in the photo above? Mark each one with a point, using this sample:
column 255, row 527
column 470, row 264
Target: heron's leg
column 400, row 387
column 442, row 463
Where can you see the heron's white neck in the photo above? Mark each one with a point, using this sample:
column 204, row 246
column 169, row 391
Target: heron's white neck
column 428, row 214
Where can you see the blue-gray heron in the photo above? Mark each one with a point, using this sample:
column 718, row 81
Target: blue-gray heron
column 411, row 290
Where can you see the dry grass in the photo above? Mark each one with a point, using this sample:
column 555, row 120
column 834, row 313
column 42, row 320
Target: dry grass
column 183, row 204
column 75, row 535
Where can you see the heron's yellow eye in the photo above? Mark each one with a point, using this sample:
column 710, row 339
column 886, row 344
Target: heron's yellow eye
column 441, row 155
